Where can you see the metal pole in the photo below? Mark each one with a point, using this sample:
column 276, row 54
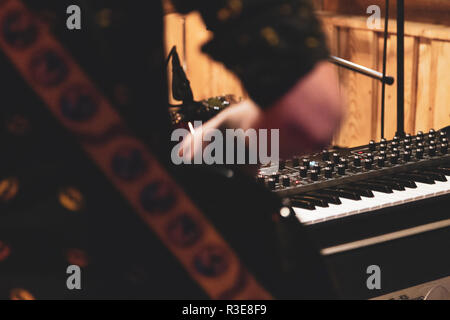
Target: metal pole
column 400, row 68
column 361, row 69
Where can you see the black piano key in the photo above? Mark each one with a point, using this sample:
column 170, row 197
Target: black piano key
column 374, row 186
column 444, row 170
column 404, row 182
column 391, row 184
column 302, row 204
column 363, row 192
column 328, row 198
column 316, row 201
column 436, row 176
column 341, row 193
column 417, row 177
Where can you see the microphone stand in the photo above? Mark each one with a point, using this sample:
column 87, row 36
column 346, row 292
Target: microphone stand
column 361, row 69
column 400, row 68
column 381, row 76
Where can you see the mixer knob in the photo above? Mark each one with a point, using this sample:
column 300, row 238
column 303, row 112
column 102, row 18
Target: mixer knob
column 317, row 168
column 303, row 171
column 407, row 156
column 383, row 141
column 368, row 164
column 444, row 148
column 260, row 179
column 396, row 139
column 357, row 161
column 394, row 158
column 372, row 146
column 442, row 135
column 314, row 175
column 325, row 155
column 419, row 153
column 271, row 184
column 444, row 140
column 282, row 164
column 431, row 151
column 370, row 156
column 419, row 140
column 407, row 148
column 406, row 142
column 305, row 162
column 329, row 164
column 383, row 146
column 420, row 134
column 396, row 151
column 328, row 172
column 341, row 169
column 336, row 158
column 344, row 161
column 432, row 143
column 295, row 162
column 381, row 161
column 286, row 181
column 420, row 145
column 276, row 177
column 394, row 144
column 432, row 132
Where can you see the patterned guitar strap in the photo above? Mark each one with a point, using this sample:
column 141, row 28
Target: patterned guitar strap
column 34, row 52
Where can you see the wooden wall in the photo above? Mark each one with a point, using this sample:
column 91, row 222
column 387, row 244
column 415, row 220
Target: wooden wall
column 427, row 68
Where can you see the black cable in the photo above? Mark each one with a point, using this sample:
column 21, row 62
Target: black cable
column 383, row 85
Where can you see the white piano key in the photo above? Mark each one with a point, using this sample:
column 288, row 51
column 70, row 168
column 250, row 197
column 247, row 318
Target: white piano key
column 380, row 200
column 304, row 215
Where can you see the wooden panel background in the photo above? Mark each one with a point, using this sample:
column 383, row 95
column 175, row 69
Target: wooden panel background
column 427, row 48
column 427, row 66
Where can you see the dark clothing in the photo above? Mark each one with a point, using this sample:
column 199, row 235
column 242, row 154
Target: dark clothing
column 269, row 44
column 66, row 212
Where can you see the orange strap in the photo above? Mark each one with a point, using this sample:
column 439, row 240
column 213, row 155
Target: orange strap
column 79, row 106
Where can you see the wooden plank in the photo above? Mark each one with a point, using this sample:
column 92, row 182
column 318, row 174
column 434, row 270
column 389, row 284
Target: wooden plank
column 424, row 116
column 413, row 29
column 431, row 11
column 442, row 100
column 357, row 127
column 376, row 93
column 411, row 112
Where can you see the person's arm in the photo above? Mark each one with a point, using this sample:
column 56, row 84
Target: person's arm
column 277, row 49
column 307, row 116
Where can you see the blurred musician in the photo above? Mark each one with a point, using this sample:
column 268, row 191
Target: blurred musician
column 58, row 209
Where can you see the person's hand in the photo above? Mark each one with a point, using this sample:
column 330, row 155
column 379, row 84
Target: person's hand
column 240, row 116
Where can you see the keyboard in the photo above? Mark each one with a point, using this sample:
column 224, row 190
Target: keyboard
column 385, row 203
